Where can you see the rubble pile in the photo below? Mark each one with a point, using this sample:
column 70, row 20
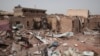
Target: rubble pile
column 5, row 43
column 38, row 43
column 45, row 43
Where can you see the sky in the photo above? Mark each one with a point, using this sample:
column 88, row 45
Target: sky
column 53, row 6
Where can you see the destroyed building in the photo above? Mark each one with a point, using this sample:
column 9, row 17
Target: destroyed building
column 93, row 23
column 62, row 39
column 74, row 21
column 30, row 18
column 5, row 15
column 64, row 23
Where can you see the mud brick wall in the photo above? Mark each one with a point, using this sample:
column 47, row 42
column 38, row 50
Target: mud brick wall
column 65, row 24
column 93, row 23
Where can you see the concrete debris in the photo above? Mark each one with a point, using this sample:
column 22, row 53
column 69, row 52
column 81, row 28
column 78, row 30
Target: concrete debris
column 71, row 52
column 5, row 43
column 3, row 33
column 90, row 32
column 88, row 53
column 64, row 44
column 51, row 50
column 42, row 39
column 37, row 52
column 75, row 45
column 55, row 53
column 14, row 27
column 67, row 34
column 54, row 44
column 83, row 41
column 37, row 43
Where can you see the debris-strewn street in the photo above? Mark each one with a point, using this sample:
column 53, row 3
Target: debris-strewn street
column 38, row 43
column 32, row 32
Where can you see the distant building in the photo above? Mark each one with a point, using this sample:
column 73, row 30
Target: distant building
column 78, row 12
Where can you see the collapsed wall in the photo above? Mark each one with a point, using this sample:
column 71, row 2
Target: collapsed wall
column 65, row 24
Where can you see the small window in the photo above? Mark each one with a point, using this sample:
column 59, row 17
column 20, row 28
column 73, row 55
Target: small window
column 24, row 10
column 73, row 24
column 27, row 23
column 17, row 22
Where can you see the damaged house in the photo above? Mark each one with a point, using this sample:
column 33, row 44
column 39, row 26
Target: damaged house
column 64, row 24
column 93, row 23
column 29, row 18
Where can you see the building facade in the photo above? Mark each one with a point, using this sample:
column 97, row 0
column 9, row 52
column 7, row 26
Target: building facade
column 64, row 24
column 30, row 18
column 93, row 23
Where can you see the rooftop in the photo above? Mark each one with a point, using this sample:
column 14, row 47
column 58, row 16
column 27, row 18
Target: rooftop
column 29, row 8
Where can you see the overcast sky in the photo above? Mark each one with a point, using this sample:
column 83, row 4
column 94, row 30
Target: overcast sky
column 53, row 6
